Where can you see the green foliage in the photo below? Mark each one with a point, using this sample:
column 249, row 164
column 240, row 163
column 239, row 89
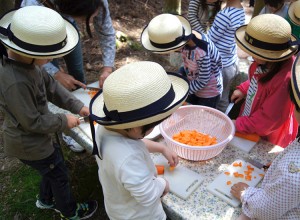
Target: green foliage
column 19, row 195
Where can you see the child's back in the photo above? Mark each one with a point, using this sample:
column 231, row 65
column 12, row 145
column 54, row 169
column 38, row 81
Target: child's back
column 222, row 33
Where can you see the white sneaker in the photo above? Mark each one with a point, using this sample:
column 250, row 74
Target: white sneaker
column 72, row 144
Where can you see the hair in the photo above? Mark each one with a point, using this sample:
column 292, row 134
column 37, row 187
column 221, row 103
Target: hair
column 147, row 127
column 77, row 8
column 274, row 3
column 273, row 69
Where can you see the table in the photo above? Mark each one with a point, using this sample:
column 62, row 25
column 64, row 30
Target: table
column 201, row 205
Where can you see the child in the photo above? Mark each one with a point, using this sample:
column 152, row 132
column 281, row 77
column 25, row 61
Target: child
column 267, row 111
column 202, row 13
column 127, row 174
column 279, row 194
column 78, row 11
column 293, row 17
column 275, row 7
column 222, row 35
column 33, row 36
column 201, row 61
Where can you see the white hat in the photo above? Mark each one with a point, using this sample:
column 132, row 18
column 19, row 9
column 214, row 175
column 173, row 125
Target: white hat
column 166, row 33
column 267, row 37
column 294, row 12
column 38, row 32
column 138, row 94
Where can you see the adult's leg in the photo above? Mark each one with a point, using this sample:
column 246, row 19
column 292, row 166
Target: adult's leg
column 228, row 74
column 74, row 63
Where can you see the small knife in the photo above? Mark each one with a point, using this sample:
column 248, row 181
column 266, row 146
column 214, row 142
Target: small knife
column 228, row 109
column 84, row 119
column 256, row 163
column 93, row 88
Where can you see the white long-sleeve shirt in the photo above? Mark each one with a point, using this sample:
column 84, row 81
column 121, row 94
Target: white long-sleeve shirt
column 279, row 195
column 128, row 177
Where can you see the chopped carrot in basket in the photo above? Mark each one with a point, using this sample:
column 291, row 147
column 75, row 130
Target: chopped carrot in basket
column 228, row 182
column 160, row 169
column 194, row 138
column 227, row 173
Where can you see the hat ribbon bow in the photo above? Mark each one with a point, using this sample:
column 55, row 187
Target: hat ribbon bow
column 270, row 46
column 32, row 47
column 174, row 43
column 146, row 111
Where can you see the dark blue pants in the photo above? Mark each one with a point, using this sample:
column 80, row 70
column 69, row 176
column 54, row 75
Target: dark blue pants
column 55, row 182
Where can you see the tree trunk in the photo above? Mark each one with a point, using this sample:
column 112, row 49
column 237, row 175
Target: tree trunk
column 172, row 6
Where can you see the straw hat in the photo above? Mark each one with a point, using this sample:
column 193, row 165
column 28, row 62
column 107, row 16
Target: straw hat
column 137, row 94
column 267, row 37
column 38, row 32
column 294, row 12
column 295, row 80
column 166, row 33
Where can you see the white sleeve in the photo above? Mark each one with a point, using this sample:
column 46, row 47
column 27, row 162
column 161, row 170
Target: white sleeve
column 140, row 181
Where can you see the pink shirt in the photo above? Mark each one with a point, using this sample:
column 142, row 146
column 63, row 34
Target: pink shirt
column 272, row 112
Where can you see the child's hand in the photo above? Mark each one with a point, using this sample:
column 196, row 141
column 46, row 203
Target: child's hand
column 237, row 189
column 237, row 96
column 167, row 188
column 73, row 121
column 171, row 156
column 84, row 111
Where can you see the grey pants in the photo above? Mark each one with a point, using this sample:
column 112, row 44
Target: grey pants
column 228, row 74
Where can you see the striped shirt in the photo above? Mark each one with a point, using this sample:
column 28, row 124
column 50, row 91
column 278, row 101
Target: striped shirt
column 199, row 18
column 223, row 30
column 203, row 66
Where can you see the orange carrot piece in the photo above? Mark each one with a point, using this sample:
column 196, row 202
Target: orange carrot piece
column 171, row 168
column 262, row 175
column 250, row 137
column 250, row 168
column 227, row 173
column 160, row 169
column 236, row 174
column 248, row 178
column 228, row 182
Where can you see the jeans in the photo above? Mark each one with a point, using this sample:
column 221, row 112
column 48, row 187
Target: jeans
column 210, row 102
column 228, row 73
column 74, row 63
column 55, row 183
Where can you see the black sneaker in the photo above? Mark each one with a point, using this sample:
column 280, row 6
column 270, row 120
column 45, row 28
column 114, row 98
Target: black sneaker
column 83, row 211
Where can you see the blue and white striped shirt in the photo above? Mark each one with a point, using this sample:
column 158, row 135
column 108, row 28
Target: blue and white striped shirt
column 203, row 66
column 223, row 30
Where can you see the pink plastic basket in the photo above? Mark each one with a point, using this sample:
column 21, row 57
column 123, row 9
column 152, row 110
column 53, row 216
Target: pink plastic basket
column 203, row 119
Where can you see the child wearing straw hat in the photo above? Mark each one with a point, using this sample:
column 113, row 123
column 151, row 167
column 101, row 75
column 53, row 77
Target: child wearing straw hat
column 293, row 17
column 279, row 194
column 131, row 187
column 221, row 34
column 202, row 64
column 267, row 111
column 31, row 37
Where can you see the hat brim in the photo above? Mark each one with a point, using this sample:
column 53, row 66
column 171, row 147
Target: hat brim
column 262, row 54
column 72, row 40
column 148, row 46
column 295, row 80
column 180, row 86
column 291, row 14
